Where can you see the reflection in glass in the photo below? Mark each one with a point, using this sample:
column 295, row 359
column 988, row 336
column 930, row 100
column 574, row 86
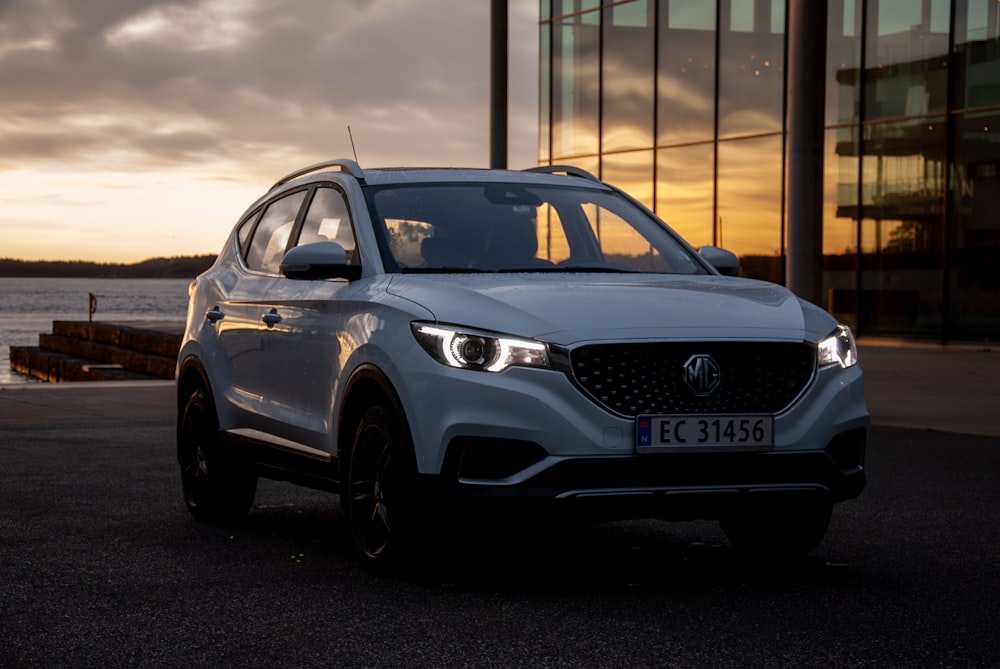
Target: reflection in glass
column 840, row 227
column 843, row 58
column 576, row 85
column 907, row 61
column 627, row 76
column 690, row 15
column 902, row 234
column 686, row 73
column 751, row 76
column 750, row 206
column 973, row 279
column 684, row 185
column 977, row 57
column 632, row 172
column 840, row 192
column 977, row 20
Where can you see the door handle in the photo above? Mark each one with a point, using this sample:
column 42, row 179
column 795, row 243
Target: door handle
column 214, row 314
column 271, row 318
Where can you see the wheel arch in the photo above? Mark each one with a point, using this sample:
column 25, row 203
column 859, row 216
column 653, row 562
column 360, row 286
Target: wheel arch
column 191, row 375
column 367, row 386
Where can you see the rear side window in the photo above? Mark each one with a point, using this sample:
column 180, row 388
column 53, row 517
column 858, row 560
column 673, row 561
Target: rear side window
column 270, row 238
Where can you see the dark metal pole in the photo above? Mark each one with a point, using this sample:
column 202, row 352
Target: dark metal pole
column 806, row 110
column 498, row 84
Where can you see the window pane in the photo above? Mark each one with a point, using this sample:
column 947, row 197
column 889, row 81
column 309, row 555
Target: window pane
column 632, row 172
column 902, row 232
column 977, row 20
column 749, row 215
column 270, row 239
column 684, row 188
column 686, row 75
column 628, row 76
column 741, row 16
column 751, row 76
column 840, row 227
column 977, row 57
column 973, row 279
column 907, row 61
column 690, row 15
column 328, row 219
column 843, row 61
column 576, row 90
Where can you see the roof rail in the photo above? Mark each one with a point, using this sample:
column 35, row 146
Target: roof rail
column 563, row 169
column 344, row 164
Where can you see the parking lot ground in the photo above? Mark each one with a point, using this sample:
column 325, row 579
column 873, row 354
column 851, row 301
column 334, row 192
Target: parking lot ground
column 101, row 565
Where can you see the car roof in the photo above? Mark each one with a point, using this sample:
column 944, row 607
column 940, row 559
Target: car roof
column 554, row 174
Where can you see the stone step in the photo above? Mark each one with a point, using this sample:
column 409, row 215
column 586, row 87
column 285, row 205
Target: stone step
column 150, row 364
column 60, row 367
column 153, row 337
column 102, row 351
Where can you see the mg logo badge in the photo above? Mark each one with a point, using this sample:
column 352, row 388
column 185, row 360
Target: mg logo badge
column 701, row 374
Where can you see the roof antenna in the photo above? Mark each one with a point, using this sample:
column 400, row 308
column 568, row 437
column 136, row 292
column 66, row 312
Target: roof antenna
column 352, row 142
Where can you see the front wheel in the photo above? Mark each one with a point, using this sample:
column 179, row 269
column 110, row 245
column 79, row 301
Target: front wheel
column 778, row 528
column 375, row 499
column 217, row 486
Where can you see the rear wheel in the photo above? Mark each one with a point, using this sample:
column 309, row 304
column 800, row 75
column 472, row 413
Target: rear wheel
column 217, row 486
column 375, row 494
column 778, row 528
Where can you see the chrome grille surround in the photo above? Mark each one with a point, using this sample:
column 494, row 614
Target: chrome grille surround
column 648, row 378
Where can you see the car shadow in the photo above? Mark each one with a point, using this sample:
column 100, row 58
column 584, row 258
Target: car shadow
column 638, row 555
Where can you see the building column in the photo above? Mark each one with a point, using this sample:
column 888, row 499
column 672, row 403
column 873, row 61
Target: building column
column 498, row 84
column 806, row 32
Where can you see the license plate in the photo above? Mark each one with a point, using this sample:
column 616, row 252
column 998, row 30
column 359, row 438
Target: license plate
column 704, row 432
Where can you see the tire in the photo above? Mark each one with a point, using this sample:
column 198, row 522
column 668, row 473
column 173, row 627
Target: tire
column 778, row 529
column 375, row 496
column 217, row 487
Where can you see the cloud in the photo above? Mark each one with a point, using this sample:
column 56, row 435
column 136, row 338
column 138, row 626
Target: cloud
column 155, row 84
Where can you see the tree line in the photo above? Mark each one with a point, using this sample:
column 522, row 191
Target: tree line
column 181, row 267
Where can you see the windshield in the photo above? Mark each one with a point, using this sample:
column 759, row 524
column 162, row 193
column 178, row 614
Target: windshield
column 502, row 227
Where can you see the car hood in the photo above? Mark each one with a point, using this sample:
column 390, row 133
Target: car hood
column 567, row 309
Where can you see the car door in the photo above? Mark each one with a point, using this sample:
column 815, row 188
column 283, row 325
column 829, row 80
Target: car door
column 302, row 337
column 247, row 302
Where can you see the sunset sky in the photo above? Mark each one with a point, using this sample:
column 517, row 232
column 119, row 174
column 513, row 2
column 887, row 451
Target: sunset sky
column 133, row 129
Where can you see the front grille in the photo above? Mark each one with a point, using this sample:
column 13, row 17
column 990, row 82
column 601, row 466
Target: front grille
column 634, row 379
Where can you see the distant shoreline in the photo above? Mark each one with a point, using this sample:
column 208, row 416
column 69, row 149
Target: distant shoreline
column 155, row 268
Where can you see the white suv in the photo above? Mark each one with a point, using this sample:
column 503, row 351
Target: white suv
column 433, row 342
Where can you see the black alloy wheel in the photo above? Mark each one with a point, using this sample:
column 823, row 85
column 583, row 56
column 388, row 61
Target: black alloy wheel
column 375, row 489
column 217, row 486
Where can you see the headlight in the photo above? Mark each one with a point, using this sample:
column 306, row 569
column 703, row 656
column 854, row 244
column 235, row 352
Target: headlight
column 475, row 349
column 839, row 348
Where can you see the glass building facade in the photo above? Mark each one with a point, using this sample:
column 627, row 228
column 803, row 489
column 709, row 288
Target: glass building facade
column 682, row 103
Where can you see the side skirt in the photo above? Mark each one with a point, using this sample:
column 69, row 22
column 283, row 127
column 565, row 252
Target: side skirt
column 283, row 460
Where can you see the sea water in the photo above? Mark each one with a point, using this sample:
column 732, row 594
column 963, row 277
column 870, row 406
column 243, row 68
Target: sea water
column 28, row 307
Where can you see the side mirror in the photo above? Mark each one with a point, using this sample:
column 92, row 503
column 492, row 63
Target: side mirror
column 725, row 262
column 319, row 260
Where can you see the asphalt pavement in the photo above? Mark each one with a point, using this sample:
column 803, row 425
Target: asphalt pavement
column 101, row 566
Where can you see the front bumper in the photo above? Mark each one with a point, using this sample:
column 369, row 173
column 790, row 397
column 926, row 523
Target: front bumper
column 678, row 486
